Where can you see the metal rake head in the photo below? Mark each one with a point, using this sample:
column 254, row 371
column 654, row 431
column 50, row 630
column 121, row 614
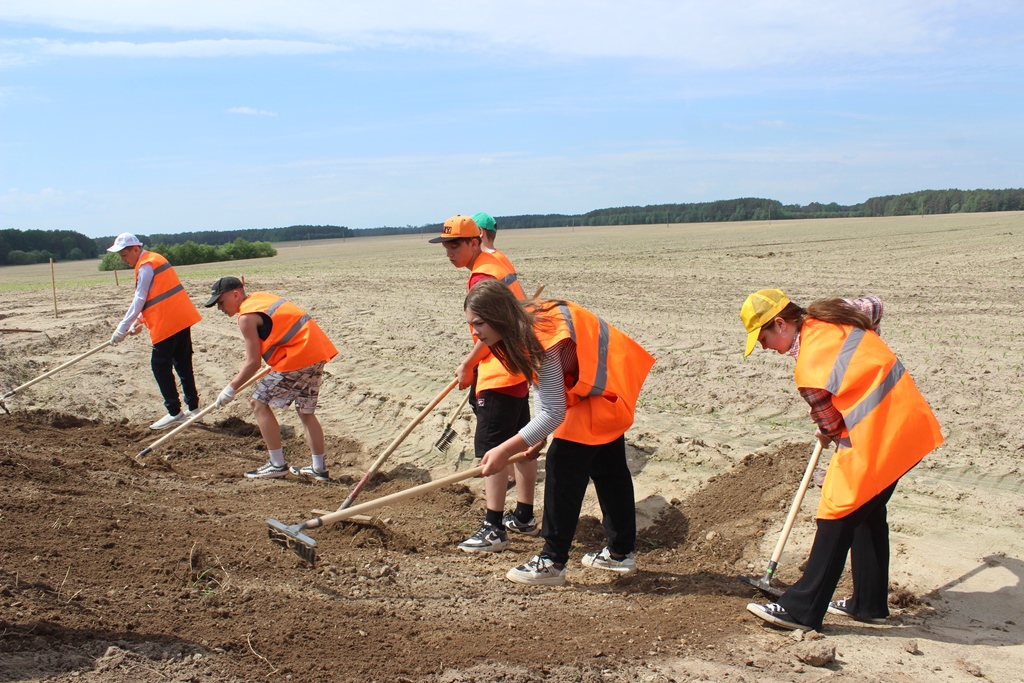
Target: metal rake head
column 446, row 439
column 291, row 537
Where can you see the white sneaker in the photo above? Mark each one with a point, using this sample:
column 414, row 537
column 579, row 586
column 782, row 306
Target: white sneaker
column 169, row 421
column 539, row 571
column 604, row 560
column 189, row 414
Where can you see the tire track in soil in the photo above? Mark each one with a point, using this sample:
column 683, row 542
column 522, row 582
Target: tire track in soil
column 97, row 551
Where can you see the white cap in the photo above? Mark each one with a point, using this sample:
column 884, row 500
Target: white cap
column 125, row 239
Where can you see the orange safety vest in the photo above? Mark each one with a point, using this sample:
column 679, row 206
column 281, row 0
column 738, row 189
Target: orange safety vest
column 600, row 402
column 888, row 427
column 490, row 373
column 295, row 340
column 167, row 310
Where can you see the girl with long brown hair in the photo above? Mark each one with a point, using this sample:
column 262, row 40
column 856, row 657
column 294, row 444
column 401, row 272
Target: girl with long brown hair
column 588, row 376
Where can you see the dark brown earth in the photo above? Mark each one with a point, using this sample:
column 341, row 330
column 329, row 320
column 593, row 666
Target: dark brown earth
column 153, row 573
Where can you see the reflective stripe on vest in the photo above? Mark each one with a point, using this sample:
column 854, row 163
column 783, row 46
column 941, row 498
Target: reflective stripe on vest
column 295, row 340
column 603, row 337
column 167, row 309
column 166, row 295
column 288, row 336
column 887, row 425
column 601, row 398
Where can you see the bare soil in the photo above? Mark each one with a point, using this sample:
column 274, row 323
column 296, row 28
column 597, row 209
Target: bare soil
column 173, row 563
column 114, row 572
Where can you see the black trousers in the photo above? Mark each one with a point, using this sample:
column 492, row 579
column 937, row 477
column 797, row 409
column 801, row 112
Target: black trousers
column 864, row 534
column 175, row 353
column 569, row 467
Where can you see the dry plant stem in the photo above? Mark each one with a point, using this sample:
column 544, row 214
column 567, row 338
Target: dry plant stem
column 252, row 650
column 66, row 574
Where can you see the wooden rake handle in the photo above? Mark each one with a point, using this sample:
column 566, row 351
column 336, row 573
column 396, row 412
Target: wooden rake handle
column 198, row 416
column 396, row 443
column 57, row 369
column 348, row 513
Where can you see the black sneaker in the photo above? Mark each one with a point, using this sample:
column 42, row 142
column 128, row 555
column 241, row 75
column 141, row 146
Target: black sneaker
column 775, row 615
column 490, row 539
column 267, row 471
column 842, row 609
column 512, row 523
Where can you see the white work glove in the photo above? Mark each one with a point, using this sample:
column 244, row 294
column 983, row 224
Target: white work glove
column 226, row 396
column 117, row 338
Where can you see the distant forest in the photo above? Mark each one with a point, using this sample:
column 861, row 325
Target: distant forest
column 38, row 246
column 19, row 248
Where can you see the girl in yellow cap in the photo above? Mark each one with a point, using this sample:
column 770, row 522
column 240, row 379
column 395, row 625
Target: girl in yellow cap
column 864, row 401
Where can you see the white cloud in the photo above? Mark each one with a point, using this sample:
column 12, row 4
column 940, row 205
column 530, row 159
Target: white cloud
column 251, row 112
column 719, row 35
column 184, row 48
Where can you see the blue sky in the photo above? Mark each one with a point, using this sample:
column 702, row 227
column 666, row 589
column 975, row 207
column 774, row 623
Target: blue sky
column 170, row 116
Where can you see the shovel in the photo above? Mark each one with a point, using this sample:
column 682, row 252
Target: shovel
column 395, row 444
column 195, row 418
column 304, row 546
column 43, row 376
column 764, row 584
column 448, row 434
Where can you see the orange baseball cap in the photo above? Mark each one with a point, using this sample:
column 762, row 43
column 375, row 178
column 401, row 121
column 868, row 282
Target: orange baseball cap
column 456, row 228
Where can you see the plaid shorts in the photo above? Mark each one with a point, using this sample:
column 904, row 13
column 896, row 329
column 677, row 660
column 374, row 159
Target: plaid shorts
column 279, row 389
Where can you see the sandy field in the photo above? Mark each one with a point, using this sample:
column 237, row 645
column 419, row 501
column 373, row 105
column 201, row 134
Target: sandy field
column 114, row 572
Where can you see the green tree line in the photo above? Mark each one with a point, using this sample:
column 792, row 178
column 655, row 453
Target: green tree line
column 19, row 248
column 757, row 209
column 190, row 253
column 215, row 238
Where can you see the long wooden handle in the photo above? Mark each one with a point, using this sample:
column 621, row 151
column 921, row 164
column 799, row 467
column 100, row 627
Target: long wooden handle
column 58, row 369
column 396, row 443
column 342, row 515
column 797, row 501
column 198, row 416
column 458, row 411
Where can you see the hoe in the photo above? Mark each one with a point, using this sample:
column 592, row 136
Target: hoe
column 304, row 546
column 764, row 584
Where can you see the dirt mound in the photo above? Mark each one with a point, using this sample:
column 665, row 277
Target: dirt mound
column 107, row 566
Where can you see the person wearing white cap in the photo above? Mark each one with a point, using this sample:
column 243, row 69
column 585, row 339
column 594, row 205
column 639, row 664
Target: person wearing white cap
column 162, row 305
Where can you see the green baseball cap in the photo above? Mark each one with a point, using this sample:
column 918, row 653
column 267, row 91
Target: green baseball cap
column 485, row 221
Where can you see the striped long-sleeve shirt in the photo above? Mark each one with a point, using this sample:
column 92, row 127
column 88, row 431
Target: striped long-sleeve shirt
column 825, row 415
column 560, row 361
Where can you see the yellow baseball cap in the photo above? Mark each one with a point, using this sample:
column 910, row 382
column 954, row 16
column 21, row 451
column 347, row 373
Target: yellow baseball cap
column 760, row 308
column 456, row 228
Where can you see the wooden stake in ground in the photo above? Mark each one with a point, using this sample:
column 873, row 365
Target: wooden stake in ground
column 53, row 283
column 116, row 281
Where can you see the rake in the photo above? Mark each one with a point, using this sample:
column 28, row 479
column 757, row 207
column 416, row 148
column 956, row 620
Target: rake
column 448, row 434
column 192, row 420
column 764, row 584
column 43, row 376
column 293, row 538
column 395, row 444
